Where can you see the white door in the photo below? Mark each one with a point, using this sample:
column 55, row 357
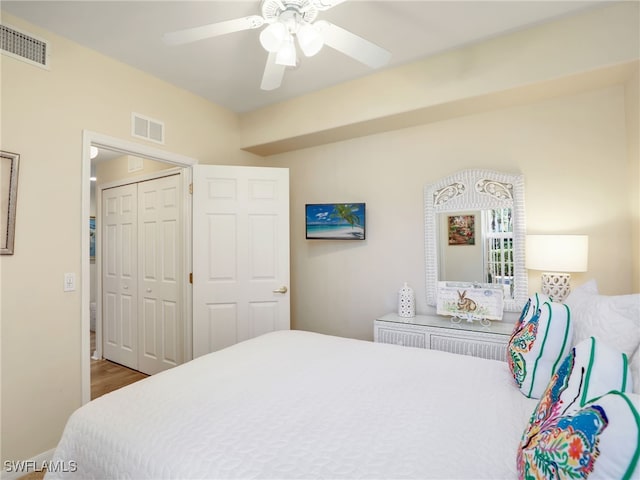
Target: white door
column 160, row 234
column 143, row 274
column 240, row 254
column 119, row 273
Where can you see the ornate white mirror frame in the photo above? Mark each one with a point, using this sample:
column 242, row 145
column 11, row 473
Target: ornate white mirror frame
column 477, row 190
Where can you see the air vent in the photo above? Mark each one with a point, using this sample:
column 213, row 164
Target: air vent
column 147, row 128
column 24, row 46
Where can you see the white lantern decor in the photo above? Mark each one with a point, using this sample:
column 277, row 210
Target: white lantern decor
column 406, row 302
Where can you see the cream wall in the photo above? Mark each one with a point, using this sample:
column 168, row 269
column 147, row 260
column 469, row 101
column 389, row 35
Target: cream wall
column 571, row 150
column 118, row 168
column 566, row 56
column 43, row 115
column 632, row 109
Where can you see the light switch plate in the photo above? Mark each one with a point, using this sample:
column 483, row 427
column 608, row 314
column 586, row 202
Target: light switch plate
column 69, row 282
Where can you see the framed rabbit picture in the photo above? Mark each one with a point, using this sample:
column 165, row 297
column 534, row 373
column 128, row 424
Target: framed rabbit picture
column 470, row 301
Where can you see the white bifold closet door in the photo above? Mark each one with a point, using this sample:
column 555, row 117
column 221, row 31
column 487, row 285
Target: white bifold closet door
column 142, row 271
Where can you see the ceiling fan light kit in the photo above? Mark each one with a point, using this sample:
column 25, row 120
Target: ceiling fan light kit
column 309, row 39
column 287, row 54
column 288, row 21
column 285, row 20
column 272, row 37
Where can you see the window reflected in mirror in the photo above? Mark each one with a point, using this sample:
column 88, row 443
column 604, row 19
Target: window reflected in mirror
column 498, row 264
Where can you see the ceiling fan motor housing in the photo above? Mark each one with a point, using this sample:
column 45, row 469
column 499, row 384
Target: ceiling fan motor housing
column 303, row 9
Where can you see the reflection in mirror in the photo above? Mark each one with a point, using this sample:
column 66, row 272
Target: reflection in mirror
column 474, row 232
column 486, row 238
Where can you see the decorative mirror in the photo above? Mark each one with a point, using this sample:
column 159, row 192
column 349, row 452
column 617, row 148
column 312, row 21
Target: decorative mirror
column 475, row 232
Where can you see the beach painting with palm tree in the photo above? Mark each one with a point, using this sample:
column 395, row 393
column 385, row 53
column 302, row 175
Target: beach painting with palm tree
column 335, row 221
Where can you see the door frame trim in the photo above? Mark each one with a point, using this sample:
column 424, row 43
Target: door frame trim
column 125, row 147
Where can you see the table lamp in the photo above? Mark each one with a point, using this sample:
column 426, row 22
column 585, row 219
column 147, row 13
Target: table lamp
column 556, row 256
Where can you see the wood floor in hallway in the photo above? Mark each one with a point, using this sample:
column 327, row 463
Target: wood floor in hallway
column 107, row 376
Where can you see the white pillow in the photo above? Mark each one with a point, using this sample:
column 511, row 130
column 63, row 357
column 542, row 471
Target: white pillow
column 540, row 340
column 615, row 319
column 596, row 369
column 634, row 366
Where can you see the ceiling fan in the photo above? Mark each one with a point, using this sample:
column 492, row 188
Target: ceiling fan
column 288, row 21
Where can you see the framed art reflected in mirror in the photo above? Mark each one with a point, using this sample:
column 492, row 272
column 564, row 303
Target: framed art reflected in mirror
column 8, row 194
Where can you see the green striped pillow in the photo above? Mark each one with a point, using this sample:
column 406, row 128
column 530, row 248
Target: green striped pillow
column 541, row 339
column 594, row 369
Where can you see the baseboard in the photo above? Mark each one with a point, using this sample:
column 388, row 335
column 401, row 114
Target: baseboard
column 14, row 469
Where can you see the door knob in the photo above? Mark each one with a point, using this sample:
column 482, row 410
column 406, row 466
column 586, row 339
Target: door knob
column 282, row 289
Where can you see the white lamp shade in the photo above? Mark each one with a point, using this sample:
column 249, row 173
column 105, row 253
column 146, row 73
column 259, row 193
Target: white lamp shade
column 273, row 37
column 309, row 39
column 557, row 253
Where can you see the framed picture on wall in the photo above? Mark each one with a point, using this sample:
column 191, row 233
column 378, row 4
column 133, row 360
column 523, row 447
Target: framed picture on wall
column 92, row 239
column 8, row 195
column 462, row 229
column 335, row 221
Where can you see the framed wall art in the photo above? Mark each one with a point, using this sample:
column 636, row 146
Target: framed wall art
column 92, row 239
column 335, row 221
column 462, row 229
column 8, row 195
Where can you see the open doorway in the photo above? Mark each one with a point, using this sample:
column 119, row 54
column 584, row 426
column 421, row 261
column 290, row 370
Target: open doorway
column 138, row 331
column 120, row 153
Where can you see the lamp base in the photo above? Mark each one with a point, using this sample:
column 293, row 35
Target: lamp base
column 556, row 285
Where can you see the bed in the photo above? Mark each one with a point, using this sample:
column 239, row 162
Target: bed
column 294, row 404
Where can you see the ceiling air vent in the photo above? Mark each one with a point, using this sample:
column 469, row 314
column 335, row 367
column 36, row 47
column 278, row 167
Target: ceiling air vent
column 147, row 128
column 24, row 46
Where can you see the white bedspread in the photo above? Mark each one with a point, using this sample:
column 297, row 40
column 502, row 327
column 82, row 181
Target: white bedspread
column 295, row 404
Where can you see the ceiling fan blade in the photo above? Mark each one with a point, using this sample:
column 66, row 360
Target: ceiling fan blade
column 194, row 34
column 273, row 73
column 352, row 45
column 326, row 4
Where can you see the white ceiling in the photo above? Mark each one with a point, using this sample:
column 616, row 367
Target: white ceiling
column 227, row 70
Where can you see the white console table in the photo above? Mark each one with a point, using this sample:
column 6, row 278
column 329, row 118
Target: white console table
column 439, row 333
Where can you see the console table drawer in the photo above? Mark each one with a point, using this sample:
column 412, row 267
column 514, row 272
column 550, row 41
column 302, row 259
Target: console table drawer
column 467, row 346
column 401, row 337
column 437, row 333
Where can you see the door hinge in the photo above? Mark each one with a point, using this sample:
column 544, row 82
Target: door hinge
column 191, row 188
column 191, row 278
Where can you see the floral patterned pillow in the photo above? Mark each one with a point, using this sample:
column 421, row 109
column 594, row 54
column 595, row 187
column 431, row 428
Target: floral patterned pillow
column 540, row 340
column 584, row 424
column 599, row 440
